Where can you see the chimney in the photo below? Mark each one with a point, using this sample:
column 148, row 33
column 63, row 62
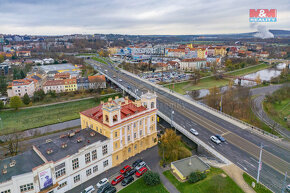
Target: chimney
column 63, row 145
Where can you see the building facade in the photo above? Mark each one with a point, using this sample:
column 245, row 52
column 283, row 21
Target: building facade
column 131, row 126
column 192, row 64
column 54, row 85
column 21, row 87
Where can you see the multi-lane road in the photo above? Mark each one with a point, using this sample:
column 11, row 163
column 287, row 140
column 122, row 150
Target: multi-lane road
column 241, row 148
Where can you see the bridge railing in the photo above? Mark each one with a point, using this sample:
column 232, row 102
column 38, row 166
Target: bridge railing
column 219, row 114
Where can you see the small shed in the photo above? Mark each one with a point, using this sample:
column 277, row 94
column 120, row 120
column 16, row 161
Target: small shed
column 184, row 167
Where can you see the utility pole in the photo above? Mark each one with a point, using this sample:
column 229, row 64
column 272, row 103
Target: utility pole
column 260, row 163
column 284, row 183
column 172, row 112
column 221, row 105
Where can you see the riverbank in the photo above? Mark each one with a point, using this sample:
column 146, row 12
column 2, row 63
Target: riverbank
column 209, row 82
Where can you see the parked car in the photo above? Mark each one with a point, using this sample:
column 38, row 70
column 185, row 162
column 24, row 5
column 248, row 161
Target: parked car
column 141, row 171
column 120, row 80
column 220, row 138
column 112, row 189
column 215, row 139
column 135, row 163
column 103, row 188
column 193, row 131
column 114, row 76
column 117, row 180
column 89, row 189
column 125, row 169
column 140, row 165
column 130, row 173
column 127, row 181
column 102, row 182
column 288, row 187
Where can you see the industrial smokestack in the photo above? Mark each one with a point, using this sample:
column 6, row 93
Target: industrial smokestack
column 262, row 31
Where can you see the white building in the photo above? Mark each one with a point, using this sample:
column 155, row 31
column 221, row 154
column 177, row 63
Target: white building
column 57, row 165
column 21, row 87
column 192, row 63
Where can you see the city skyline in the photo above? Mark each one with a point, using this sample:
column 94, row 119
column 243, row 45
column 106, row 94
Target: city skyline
column 134, row 18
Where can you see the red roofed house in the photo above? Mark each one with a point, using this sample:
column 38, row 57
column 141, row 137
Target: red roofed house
column 21, row 86
column 98, row 81
column 54, row 85
column 131, row 126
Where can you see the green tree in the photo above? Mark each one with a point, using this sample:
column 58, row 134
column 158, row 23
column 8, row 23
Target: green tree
column 151, row 178
column 26, row 99
column 1, row 58
column 3, row 85
column 38, row 95
column 15, row 102
column 1, row 105
column 196, row 176
column 229, row 65
column 22, row 74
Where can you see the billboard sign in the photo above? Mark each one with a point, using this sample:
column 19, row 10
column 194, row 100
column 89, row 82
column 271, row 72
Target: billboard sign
column 263, row 15
column 45, row 179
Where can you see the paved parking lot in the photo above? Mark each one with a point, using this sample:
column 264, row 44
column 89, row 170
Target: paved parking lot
column 165, row 76
column 150, row 156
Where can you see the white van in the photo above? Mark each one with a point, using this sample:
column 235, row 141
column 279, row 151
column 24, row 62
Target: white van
column 89, row 189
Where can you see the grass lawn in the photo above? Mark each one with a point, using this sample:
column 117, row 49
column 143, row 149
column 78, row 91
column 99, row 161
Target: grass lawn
column 86, row 54
column 282, row 110
column 139, row 186
column 259, row 187
column 214, row 182
column 99, row 60
column 40, row 116
column 205, row 83
column 249, row 70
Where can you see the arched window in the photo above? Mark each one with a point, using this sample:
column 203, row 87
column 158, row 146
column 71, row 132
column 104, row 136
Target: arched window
column 152, row 105
column 107, row 118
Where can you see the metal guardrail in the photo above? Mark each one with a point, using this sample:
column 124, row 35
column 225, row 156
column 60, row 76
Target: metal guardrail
column 249, row 127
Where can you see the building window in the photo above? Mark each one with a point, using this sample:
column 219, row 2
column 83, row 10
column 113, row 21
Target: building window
column 128, row 128
column 75, row 163
column 116, row 145
column 94, row 155
column 60, row 173
column 128, row 137
column 106, row 163
column 135, row 147
column 95, row 168
column 6, row 191
column 129, row 149
column 141, row 143
column 135, row 135
column 105, row 149
column 117, row 157
column 116, row 134
column 141, row 132
column 88, row 158
column 62, row 185
column 89, row 172
column 134, row 125
column 26, row 187
column 140, row 122
column 77, row 178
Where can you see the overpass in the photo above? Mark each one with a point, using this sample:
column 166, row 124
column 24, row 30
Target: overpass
column 243, row 140
column 270, row 61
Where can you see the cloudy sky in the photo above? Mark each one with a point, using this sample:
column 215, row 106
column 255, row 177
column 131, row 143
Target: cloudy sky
column 53, row 17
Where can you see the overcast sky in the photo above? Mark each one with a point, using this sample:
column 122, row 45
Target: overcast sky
column 176, row 17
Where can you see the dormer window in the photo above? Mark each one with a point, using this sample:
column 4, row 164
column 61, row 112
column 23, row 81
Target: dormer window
column 49, row 151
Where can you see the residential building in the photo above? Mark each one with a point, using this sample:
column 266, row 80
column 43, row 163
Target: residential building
column 83, row 83
column 176, row 53
column 62, row 76
column 131, row 126
column 202, row 53
column 70, row 85
column 5, row 70
column 58, row 165
column 192, row 63
column 21, row 87
column 98, row 81
column 23, row 53
column 54, row 85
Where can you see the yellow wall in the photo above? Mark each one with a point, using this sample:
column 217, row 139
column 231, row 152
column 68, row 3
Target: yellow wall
column 177, row 172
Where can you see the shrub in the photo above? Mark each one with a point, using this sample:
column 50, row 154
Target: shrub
column 151, row 178
column 1, row 105
column 196, row 176
column 26, row 99
column 15, row 102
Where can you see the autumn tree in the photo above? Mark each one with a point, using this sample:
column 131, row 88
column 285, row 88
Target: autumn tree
column 172, row 147
column 258, row 79
column 213, row 98
column 15, row 102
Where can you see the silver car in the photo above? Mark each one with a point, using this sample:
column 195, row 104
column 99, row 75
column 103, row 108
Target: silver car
column 140, row 165
column 215, row 139
column 193, row 131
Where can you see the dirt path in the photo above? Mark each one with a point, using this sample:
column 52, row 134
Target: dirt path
column 236, row 174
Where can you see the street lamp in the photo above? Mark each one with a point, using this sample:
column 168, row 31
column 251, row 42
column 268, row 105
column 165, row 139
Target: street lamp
column 172, row 113
column 162, row 149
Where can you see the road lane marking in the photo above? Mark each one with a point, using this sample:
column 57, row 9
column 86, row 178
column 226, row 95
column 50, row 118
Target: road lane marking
column 242, row 166
column 249, row 163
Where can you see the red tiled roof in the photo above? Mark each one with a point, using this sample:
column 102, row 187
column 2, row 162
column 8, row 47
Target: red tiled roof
column 98, row 78
column 127, row 110
column 193, row 60
column 53, row 83
column 20, row 82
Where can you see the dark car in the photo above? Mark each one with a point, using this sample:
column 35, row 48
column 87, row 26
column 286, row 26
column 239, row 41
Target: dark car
column 103, row 188
column 111, row 190
column 135, row 163
column 220, row 138
column 130, row 173
column 127, row 180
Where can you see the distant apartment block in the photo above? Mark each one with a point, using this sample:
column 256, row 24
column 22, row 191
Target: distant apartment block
column 21, row 87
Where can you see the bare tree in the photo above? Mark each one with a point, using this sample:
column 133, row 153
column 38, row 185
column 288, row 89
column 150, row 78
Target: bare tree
column 11, row 143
